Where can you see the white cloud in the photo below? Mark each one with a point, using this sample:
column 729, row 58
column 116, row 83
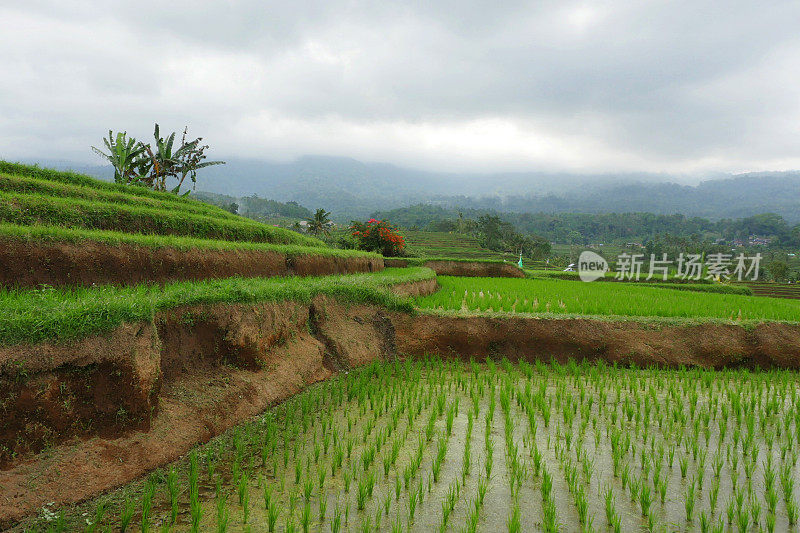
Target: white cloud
column 659, row 86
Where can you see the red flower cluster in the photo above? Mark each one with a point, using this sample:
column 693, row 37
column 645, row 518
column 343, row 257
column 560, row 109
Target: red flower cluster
column 378, row 236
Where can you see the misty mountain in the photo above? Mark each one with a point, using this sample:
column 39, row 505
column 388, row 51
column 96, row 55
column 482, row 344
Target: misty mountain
column 735, row 197
column 354, row 189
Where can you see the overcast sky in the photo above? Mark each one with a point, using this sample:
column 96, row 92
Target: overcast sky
column 680, row 87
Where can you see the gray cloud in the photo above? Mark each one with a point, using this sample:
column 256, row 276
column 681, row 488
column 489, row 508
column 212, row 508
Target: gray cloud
column 693, row 86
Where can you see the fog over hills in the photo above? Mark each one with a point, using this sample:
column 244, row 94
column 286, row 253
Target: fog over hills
column 351, row 189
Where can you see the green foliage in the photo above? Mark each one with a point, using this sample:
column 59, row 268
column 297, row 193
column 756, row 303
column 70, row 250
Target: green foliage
column 579, row 226
column 496, row 234
column 123, row 154
column 319, row 223
column 255, row 207
column 778, row 269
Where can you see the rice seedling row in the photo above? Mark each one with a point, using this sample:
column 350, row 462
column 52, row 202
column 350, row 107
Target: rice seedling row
column 429, row 445
column 546, row 296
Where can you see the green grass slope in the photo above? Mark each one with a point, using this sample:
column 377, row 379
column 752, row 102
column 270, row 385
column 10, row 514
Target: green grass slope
column 60, row 234
column 29, row 196
column 450, row 245
column 64, row 314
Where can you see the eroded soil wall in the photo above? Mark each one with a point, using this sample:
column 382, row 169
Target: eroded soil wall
column 475, row 269
column 32, row 263
column 78, row 419
column 709, row 345
column 480, row 269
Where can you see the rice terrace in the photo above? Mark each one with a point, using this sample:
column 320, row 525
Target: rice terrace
column 432, row 267
column 170, row 366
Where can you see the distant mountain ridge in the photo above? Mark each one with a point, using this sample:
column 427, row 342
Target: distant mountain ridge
column 354, row 189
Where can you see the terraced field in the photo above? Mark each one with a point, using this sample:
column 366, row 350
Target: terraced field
column 166, row 365
column 431, row 445
column 551, row 296
column 59, row 228
column 774, row 290
column 108, row 291
column 456, row 246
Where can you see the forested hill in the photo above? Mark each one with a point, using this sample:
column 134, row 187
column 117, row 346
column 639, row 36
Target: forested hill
column 588, row 228
column 736, row 197
column 353, row 189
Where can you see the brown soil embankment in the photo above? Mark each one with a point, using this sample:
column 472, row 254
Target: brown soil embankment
column 708, row 345
column 34, row 263
column 395, row 263
column 477, row 269
column 83, row 417
column 415, row 288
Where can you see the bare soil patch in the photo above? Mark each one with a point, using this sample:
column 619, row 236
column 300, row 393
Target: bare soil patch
column 708, row 345
column 478, row 269
column 416, row 288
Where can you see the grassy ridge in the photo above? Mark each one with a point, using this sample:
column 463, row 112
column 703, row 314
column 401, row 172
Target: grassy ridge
column 64, row 314
column 56, row 234
column 33, row 171
column 27, row 209
column 610, row 277
column 22, row 184
column 620, row 299
column 713, row 288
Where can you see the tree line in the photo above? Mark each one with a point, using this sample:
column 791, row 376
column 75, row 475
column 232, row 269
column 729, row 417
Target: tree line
column 593, row 228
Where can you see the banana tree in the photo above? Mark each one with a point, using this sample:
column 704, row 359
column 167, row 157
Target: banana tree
column 152, row 165
column 125, row 155
column 189, row 159
column 180, row 164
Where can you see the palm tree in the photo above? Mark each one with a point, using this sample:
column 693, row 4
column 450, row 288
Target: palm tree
column 320, row 223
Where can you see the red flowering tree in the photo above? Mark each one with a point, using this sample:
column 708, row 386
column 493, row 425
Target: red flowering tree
column 378, row 236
